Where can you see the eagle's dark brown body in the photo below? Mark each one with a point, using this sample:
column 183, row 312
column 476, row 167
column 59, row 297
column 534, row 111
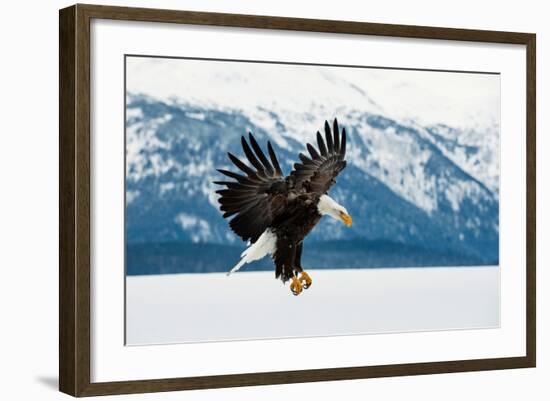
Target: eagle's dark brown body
column 291, row 228
column 263, row 200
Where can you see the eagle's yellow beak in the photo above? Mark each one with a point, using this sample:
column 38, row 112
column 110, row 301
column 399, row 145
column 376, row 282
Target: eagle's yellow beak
column 346, row 218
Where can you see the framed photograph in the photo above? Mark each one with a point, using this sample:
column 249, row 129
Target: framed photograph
column 250, row 200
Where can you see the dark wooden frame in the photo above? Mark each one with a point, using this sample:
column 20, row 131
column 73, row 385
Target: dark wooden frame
column 74, row 199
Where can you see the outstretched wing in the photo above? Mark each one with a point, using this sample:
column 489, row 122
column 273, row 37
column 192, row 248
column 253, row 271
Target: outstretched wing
column 317, row 173
column 256, row 197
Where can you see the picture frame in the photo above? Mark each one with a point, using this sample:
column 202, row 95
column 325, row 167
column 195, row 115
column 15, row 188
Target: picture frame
column 76, row 200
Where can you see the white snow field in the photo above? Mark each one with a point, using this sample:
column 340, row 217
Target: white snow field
column 253, row 305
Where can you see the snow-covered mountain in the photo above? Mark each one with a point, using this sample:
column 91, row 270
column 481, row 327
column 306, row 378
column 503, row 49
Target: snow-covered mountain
column 419, row 180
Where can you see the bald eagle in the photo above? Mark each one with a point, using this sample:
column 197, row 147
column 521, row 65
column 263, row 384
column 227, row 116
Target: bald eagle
column 274, row 213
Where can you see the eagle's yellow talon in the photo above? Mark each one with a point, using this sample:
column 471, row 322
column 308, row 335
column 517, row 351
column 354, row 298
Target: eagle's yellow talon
column 305, row 280
column 295, row 286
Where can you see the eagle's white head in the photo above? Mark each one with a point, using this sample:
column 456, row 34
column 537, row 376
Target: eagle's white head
column 330, row 207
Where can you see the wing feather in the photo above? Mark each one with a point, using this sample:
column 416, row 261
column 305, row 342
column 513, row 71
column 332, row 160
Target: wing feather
column 250, row 156
column 336, row 136
column 253, row 199
column 343, row 145
column 318, row 173
column 321, row 144
column 243, row 167
column 260, row 154
column 274, row 160
column 313, row 152
column 240, row 178
column 328, row 137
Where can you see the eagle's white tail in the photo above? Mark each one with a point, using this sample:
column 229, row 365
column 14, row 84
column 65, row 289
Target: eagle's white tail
column 265, row 245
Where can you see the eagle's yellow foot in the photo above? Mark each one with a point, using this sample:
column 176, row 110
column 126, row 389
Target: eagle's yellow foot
column 305, row 280
column 295, row 286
